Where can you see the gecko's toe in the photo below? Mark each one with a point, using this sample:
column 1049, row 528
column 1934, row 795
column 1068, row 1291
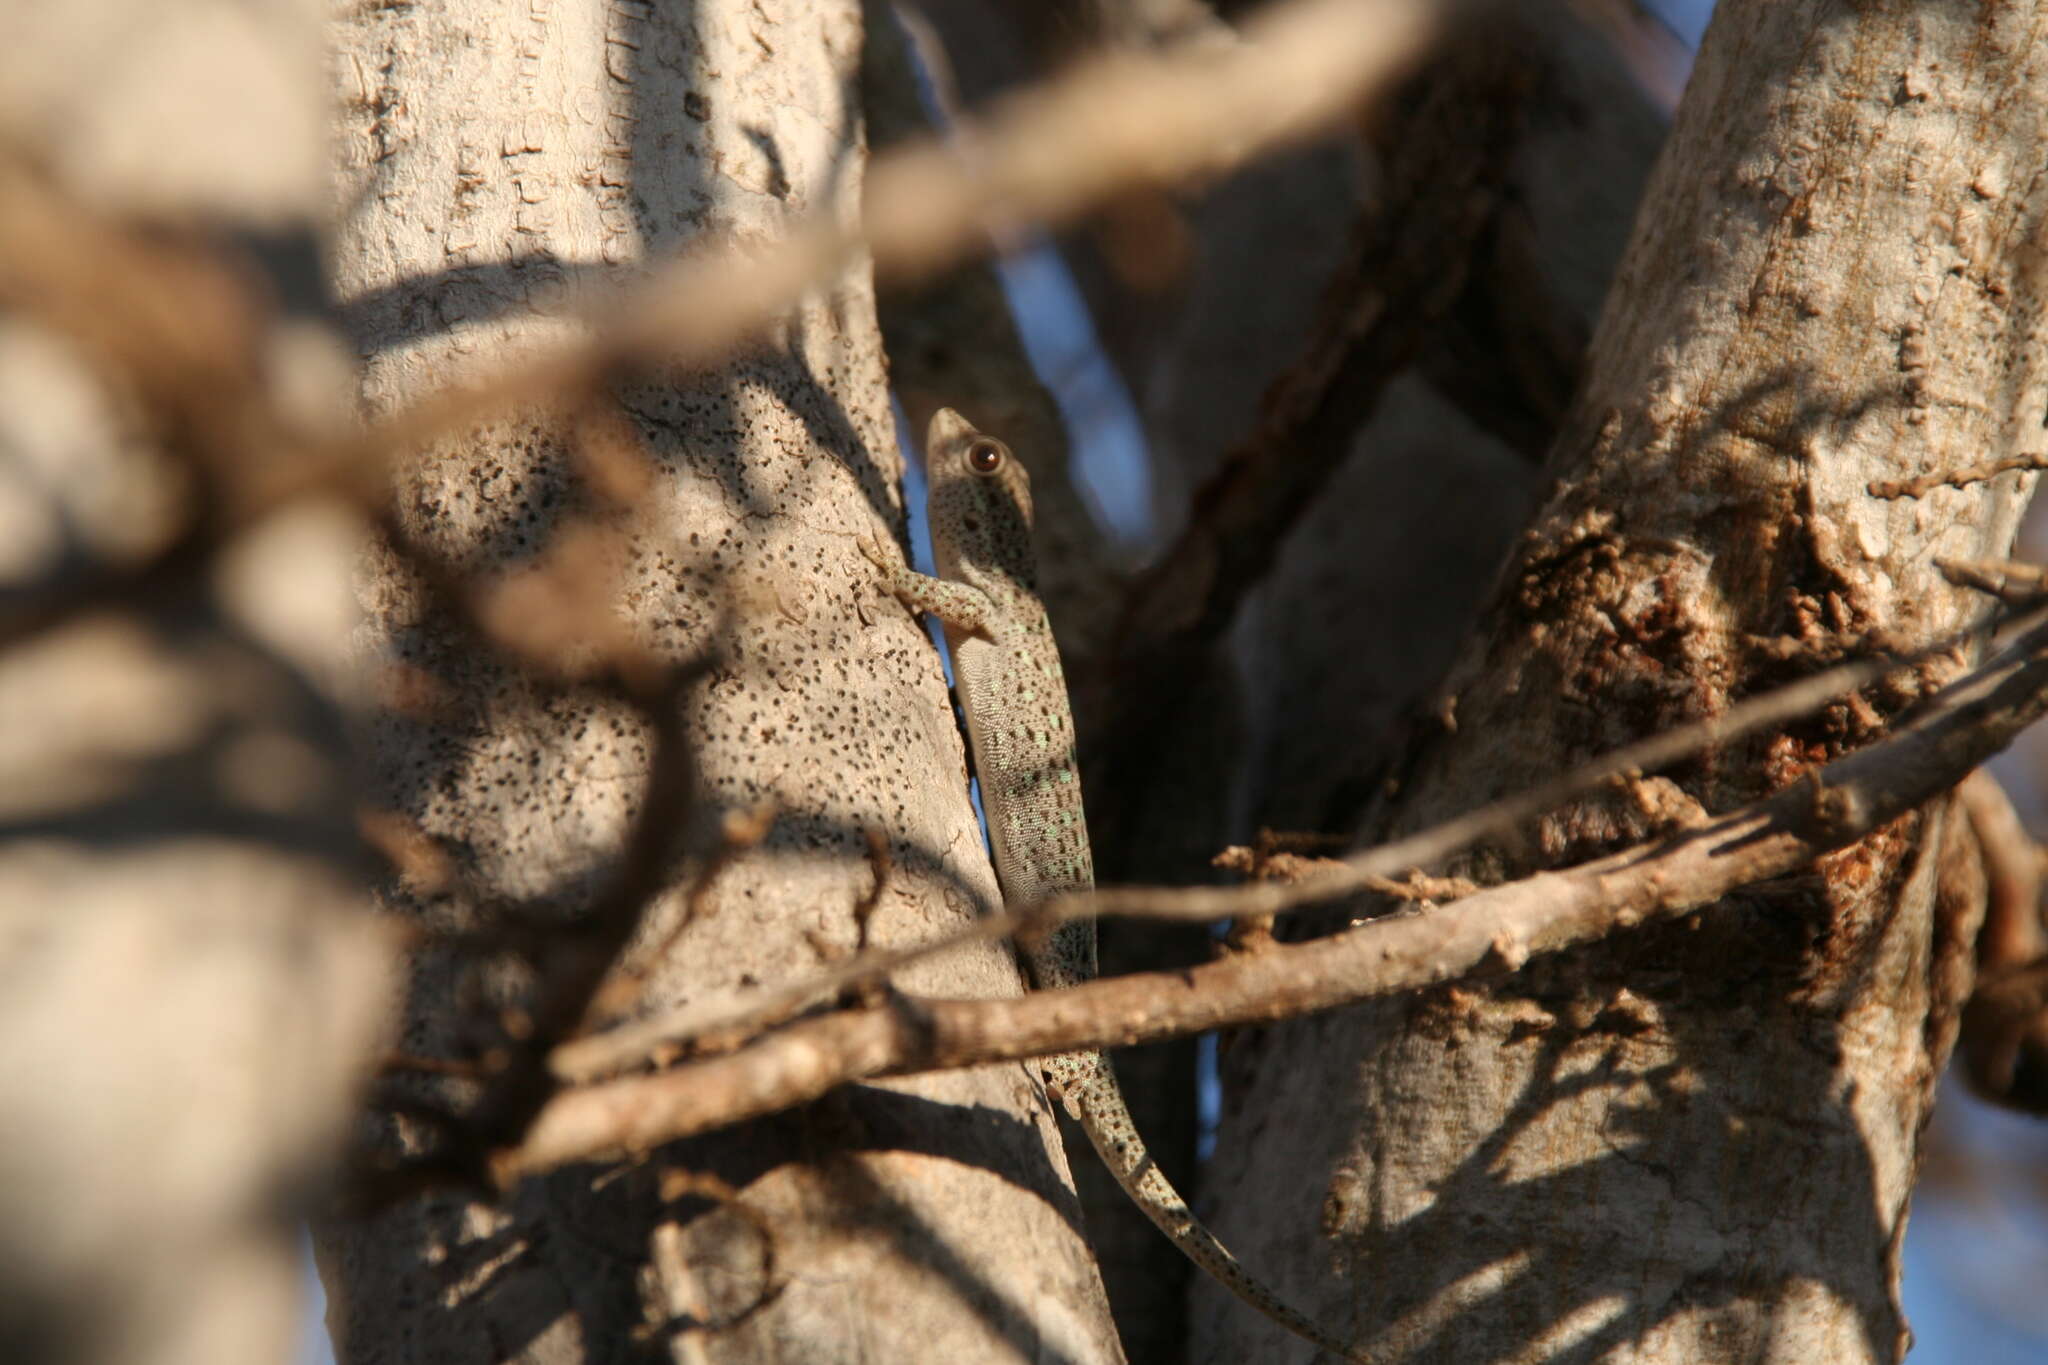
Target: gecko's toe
column 872, row 550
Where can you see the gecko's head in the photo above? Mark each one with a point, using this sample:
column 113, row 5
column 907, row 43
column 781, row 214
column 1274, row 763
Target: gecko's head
column 980, row 499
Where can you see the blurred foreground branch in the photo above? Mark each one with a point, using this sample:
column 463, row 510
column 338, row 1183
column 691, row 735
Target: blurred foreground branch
column 1116, row 122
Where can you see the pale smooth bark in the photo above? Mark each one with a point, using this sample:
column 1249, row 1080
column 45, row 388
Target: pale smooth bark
column 1697, row 1144
column 504, row 155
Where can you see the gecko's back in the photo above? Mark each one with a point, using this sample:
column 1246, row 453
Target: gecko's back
column 1006, row 668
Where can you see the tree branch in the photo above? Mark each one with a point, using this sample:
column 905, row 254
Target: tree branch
column 710, row 1023
column 1495, row 930
column 1411, row 257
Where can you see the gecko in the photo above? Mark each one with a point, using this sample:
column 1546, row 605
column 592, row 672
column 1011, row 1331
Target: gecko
column 1006, row 671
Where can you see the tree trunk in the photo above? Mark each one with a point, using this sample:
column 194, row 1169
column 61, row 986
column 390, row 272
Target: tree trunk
column 1697, row 1143
column 500, row 154
column 192, row 990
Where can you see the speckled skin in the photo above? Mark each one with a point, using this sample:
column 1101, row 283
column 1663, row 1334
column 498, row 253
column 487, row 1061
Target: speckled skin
column 1006, row 669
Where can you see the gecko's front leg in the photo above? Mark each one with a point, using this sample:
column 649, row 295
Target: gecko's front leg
column 961, row 606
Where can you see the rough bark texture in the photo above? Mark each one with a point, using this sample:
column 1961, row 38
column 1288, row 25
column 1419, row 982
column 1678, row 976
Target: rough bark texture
column 499, row 153
column 191, row 990
column 1697, row 1144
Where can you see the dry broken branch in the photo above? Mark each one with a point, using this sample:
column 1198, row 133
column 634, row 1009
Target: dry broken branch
column 1955, row 478
column 1499, row 930
column 628, row 1046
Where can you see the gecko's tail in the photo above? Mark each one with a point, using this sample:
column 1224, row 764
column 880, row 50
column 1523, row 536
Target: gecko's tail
column 1091, row 1087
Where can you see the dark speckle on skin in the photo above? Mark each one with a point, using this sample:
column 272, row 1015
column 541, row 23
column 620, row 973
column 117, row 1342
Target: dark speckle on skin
column 1003, row 658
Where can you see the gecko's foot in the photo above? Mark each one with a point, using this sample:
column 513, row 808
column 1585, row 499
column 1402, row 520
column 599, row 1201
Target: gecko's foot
column 1065, row 1100
column 1063, row 1088
column 888, row 558
column 870, row 551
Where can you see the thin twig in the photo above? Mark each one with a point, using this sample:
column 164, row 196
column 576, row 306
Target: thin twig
column 681, row 1299
column 1954, row 478
column 608, row 1053
column 2008, row 580
column 1493, row 931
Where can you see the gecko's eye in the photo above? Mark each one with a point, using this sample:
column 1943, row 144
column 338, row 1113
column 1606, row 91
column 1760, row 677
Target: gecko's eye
column 985, row 456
